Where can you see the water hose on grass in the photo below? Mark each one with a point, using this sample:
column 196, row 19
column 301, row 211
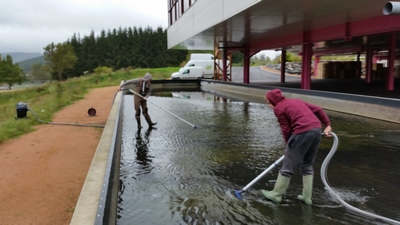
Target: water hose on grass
column 71, row 124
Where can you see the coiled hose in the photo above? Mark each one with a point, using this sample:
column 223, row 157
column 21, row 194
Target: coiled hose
column 71, row 124
column 324, row 169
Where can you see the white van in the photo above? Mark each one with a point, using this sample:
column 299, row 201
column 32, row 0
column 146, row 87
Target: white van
column 195, row 72
column 201, row 56
column 207, row 65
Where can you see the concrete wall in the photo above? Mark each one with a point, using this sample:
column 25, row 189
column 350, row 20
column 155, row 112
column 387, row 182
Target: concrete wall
column 367, row 106
column 91, row 202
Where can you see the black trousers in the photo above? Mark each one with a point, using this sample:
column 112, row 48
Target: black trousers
column 301, row 151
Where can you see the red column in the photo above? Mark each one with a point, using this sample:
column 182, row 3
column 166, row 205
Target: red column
column 283, row 63
column 391, row 58
column 368, row 67
column 224, row 67
column 306, row 66
column 359, row 65
column 316, row 65
column 246, row 65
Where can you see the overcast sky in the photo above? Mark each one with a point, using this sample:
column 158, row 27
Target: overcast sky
column 30, row 25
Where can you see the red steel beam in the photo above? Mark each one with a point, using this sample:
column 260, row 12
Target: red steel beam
column 375, row 25
column 333, row 51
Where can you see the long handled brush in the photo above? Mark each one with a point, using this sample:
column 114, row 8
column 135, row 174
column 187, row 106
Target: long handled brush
column 238, row 193
column 194, row 126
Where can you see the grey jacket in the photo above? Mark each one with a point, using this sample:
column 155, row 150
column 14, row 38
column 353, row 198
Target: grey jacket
column 139, row 86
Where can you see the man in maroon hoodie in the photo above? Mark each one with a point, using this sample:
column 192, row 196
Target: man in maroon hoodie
column 300, row 124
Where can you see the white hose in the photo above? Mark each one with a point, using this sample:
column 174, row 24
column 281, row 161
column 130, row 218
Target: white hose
column 70, row 124
column 324, row 169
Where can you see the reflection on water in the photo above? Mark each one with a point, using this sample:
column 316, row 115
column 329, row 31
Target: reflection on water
column 179, row 175
column 143, row 158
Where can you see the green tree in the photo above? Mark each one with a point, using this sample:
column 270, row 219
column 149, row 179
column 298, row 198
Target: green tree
column 10, row 73
column 278, row 58
column 122, row 56
column 102, row 49
column 123, row 48
column 79, row 66
column 143, row 47
column 237, row 58
column 159, row 48
column 38, row 72
column 59, row 58
column 89, row 50
column 290, row 57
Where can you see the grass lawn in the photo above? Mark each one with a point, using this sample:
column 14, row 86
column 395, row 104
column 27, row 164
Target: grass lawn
column 51, row 97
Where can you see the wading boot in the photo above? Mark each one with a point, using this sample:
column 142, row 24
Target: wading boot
column 138, row 124
column 307, row 189
column 282, row 183
column 151, row 124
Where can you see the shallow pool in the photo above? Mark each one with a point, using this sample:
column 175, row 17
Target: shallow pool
column 177, row 174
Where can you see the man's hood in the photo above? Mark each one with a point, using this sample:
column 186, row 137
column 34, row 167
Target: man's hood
column 147, row 77
column 274, row 96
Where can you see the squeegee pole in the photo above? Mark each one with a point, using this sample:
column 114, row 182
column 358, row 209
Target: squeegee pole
column 263, row 173
column 161, row 108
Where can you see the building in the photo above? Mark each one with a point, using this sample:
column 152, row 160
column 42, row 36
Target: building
column 309, row 28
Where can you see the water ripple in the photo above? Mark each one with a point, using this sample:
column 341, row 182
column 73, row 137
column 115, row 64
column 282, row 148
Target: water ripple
column 179, row 175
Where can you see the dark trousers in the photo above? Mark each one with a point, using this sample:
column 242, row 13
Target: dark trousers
column 140, row 102
column 301, row 151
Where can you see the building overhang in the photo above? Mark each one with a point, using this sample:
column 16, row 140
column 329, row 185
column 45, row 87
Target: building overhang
column 277, row 24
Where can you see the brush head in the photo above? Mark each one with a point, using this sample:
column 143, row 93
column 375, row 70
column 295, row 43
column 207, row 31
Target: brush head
column 238, row 193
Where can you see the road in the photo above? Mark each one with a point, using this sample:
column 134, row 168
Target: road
column 258, row 75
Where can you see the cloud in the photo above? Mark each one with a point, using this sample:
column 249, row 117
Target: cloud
column 30, row 25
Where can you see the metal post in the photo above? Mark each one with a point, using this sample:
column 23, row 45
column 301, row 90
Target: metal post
column 391, row 58
column 306, row 66
column 316, row 66
column 283, row 65
column 246, row 65
column 306, row 62
column 368, row 69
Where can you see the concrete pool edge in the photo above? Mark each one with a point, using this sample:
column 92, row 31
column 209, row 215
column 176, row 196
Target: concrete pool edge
column 379, row 108
column 87, row 207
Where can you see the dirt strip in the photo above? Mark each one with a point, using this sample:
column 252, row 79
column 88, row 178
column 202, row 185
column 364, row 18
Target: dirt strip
column 42, row 173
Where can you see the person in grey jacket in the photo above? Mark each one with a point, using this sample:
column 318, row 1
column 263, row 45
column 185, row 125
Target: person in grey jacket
column 142, row 86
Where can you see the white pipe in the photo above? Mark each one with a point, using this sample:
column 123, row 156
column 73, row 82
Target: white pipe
column 263, row 173
column 391, row 8
column 324, row 169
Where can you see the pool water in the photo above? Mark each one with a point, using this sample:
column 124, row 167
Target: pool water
column 177, row 174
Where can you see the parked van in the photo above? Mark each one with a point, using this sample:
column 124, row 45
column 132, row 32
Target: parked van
column 207, row 65
column 201, row 56
column 195, row 72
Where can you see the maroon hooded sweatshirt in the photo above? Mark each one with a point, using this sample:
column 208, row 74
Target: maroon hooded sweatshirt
column 294, row 115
